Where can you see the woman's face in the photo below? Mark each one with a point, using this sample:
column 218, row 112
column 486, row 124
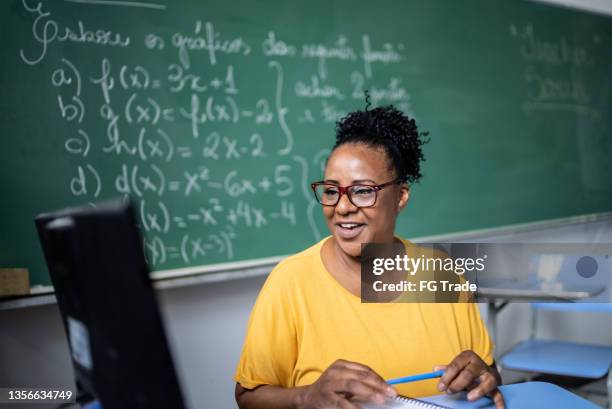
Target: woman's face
column 358, row 163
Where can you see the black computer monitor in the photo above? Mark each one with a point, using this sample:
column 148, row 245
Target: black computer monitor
column 116, row 337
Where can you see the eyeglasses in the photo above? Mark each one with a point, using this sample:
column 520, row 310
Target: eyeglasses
column 359, row 195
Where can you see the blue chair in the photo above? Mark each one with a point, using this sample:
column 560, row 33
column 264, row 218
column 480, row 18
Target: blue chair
column 563, row 357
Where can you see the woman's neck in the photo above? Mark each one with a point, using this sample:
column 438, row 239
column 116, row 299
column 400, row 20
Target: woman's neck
column 346, row 269
column 346, row 262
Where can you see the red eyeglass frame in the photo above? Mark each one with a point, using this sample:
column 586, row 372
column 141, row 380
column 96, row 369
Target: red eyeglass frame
column 344, row 190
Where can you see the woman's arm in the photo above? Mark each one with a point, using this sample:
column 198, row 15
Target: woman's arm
column 340, row 384
column 267, row 397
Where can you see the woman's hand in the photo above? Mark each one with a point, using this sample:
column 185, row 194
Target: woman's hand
column 469, row 372
column 341, row 383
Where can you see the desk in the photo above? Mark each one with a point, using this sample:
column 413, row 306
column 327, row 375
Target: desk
column 528, row 395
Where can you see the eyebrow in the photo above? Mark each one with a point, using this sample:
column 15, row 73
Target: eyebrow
column 335, row 182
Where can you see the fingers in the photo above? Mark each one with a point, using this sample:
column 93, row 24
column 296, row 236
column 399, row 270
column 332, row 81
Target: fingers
column 354, row 388
column 343, row 403
column 498, row 399
column 358, row 381
column 366, row 375
column 452, row 371
column 487, row 385
column 360, row 367
column 463, row 371
column 342, row 384
column 471, row 372
column 440, row 368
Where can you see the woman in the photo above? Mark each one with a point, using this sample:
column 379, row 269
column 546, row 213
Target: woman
column 310, row 341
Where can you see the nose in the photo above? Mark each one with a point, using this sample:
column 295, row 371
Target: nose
column 345, row 206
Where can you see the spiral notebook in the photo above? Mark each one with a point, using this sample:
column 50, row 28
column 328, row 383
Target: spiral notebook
column 403, row 402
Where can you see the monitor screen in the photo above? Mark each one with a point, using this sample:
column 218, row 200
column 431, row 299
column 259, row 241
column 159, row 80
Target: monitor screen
column 115, row 332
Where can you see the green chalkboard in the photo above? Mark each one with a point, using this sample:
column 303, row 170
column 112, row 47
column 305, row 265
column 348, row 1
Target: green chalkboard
column 214, row 116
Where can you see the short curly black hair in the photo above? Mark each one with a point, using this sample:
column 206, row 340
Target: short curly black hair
column 389, row 129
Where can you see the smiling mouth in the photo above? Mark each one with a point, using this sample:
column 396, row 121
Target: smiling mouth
column 350, row 226
column 349, row 230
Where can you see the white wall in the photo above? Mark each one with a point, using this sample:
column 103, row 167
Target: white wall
column 206, row 326
column 594, row 6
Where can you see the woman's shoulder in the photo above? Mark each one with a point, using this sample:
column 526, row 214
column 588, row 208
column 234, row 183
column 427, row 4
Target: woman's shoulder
column 306, row 258
column 298, row 266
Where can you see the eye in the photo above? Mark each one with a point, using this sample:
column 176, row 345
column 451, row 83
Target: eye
column 363, row 190
column 330, row 191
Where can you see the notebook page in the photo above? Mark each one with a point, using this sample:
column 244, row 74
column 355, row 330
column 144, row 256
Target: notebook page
column 402, row 402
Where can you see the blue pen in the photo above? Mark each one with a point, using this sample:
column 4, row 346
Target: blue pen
column 414, row 378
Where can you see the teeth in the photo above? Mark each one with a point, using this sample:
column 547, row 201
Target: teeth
column 349, row 225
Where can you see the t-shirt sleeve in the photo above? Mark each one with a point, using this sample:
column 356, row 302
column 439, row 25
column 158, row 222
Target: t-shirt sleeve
column 480, row 340
column 270, row 347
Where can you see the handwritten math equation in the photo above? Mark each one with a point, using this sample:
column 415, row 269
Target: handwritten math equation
column 179, row 131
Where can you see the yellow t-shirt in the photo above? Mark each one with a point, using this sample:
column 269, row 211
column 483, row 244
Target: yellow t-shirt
column 303, row 320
